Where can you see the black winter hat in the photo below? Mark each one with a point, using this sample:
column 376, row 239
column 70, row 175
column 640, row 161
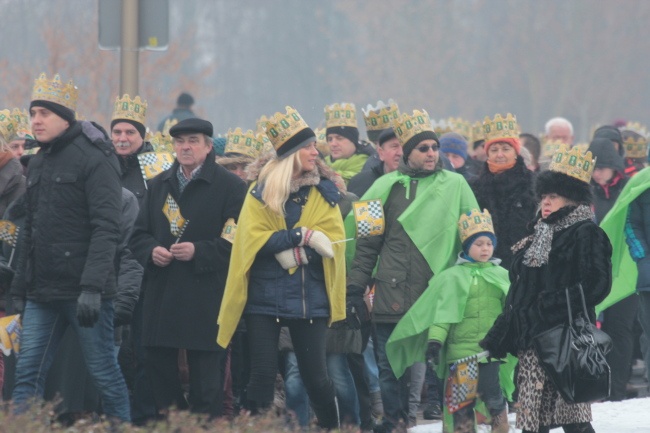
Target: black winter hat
column 63, row 112
column 349, row 132
column 613, row 133
column 605, row 154
column 142, row 130
column 385, row 135
column 553, row 182
column 416, row 139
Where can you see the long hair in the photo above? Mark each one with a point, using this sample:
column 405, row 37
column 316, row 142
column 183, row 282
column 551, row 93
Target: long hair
column 4, row 144
column 276, row 177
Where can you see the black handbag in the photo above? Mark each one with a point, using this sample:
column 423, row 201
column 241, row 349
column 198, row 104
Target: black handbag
column 573, row 356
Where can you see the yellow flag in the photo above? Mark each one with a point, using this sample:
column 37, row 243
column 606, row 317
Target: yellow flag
column 154, row 163
column 8, row 232
column 171, row 210
column 10, row 328
column 369, row 218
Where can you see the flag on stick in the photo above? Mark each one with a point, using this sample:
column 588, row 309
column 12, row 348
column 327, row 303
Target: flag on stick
column 154, row 163
column 9, row 232
column 462, row 383
column 177, row 223
column 368, row 219
column 10, row 328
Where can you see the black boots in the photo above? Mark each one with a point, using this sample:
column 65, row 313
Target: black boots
column 328, row 415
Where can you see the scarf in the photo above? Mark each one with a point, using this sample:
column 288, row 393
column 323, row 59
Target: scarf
column 537, row 253
column 500, row 168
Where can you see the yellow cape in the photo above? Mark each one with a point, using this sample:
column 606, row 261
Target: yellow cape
column 255, row 226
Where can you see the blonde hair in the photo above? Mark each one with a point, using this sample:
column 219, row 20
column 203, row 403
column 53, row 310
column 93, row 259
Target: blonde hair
column 4, row 144
column 276, row 176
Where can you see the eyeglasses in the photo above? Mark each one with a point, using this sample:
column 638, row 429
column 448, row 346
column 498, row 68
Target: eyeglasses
column 425, row 149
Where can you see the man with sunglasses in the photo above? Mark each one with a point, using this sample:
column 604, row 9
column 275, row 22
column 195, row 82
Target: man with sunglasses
column 422, row 203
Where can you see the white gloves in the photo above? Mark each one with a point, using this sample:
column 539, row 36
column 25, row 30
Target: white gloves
column 292, row 257
column 318, row 241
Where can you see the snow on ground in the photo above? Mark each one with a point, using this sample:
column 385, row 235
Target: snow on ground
column 628, row 416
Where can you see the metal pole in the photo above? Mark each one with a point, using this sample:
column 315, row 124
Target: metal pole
column 129, row 51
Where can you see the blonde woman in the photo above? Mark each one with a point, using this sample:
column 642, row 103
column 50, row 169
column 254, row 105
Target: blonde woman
column 284, row 269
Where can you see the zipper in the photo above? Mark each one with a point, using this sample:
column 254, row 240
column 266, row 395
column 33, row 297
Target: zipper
column 304, row 296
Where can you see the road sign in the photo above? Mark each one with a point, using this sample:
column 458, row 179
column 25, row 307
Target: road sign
column 153, row 24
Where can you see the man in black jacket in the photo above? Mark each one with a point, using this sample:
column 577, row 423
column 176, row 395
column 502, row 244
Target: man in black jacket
column 66, row 273
column 181, row 238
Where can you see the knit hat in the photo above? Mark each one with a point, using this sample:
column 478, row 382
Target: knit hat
column 606, row 156
column 467, row 243
column 608, row 131
column 514, row 142
column 472, row 225
column 452, row 142
column 132, row 111
column 416, row 139
column 58, row 109
column 341, row 119
column 349, row 132
column 142, row 130
column 56, row 96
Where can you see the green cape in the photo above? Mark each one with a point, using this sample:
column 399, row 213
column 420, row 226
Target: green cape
column 624, row 271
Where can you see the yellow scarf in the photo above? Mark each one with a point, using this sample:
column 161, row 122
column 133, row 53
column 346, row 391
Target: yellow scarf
column 255, row 226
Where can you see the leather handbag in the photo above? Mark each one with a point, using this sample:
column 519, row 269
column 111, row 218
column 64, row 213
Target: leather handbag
column 573, row 356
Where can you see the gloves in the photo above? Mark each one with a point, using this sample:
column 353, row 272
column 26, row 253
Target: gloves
column 318, row 241
column 433, row 352
column 18, row 304
column 356, row 311
column 122, row 315
column 292, row 257
column 88, row 305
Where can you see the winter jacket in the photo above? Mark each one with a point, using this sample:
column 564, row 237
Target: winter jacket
column 12, row 183
column 510, row 199
column 360, row 182
column 637, row 232
column 177, row 114
column 74, row 203
column 580, row 255
column 131, row 175
column 605, row 196
column 182, row 300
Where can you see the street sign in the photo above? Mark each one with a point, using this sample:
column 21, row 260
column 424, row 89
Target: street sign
column 153, row 24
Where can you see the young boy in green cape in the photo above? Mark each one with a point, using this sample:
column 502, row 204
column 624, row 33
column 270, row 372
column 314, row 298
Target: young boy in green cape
column 452, row 316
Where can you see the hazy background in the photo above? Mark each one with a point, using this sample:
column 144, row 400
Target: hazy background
column 586, row 60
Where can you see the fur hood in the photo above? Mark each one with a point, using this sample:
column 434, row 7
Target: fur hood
column 322, row 170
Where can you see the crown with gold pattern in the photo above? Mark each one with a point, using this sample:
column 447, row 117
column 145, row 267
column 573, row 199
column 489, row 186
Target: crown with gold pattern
column 161, row 142
column 131, row 109
column 7, row 125
column 499, row 127
column 549, row 147
column 477, row 131
column 474, row 222
column 408, row 126
column 635, row 140
column 344, row 114
column 460, row 126
column 55, row 91
column 380, row 116
column 244, row 143
column 321, row 141
column 287, row 131
column 23, row 127
column 260, row 124
column 441, row 126
column 573, row 162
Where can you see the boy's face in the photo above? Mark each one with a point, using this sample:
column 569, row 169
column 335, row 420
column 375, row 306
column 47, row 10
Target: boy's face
column 482, row 249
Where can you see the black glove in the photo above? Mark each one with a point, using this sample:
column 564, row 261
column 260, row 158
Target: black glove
column 18, row 304
column 122, row 315
column 356, row 311
column 433, row 352
column 88, row 305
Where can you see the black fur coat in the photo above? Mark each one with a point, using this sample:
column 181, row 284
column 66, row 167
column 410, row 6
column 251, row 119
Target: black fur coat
column 510, row 199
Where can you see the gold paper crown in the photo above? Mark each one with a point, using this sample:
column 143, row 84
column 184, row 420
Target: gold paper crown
column 55, row 91
column 573, row 162
column 477, row 131
column 321, row 141
column 131, row 109
column 344, row 114
column 499, row 127
column 7, row 125
column 21, row 119
column 381, row 116
column 550, row 147
column 474, row 222
column 260, row 124
column 281, row 127
column 161, row 142
column 460, row 126
column 408, row 126
column 441, row 127
column 167, row 126
column 244, row 143
column 635, row 140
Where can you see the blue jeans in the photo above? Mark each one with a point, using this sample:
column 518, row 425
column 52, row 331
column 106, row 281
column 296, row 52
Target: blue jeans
column 394, row 392
column 339, row 371
column 372, row 371
column 44, row 324
column 297, row 398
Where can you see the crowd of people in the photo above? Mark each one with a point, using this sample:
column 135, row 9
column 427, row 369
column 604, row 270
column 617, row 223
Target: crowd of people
column 236, row 274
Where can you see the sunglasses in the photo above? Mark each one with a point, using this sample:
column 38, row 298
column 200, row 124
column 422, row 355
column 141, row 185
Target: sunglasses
column 425, row 149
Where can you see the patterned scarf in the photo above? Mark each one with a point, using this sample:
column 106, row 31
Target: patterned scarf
column 540, row 247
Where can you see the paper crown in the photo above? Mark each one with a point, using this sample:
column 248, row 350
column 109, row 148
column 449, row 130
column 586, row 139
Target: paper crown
column 474, row 222
column 286, row 131
column 477, row 131
column 573, row 162
column 321, row 141
column 167, row 126
column 21, row 119
column 260, row 124
column 408, row 126
column 131, row 109
column 499, row 127
column 380, row 116
column 549, row 147
column 244, row 143
column 441, row 126
column 635, row 140
column 55, row 91
column 161, row 142
column 460, row 126
column 7, row 125
column 344, row 114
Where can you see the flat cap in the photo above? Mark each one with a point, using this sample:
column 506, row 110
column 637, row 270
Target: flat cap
column 191, row 126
